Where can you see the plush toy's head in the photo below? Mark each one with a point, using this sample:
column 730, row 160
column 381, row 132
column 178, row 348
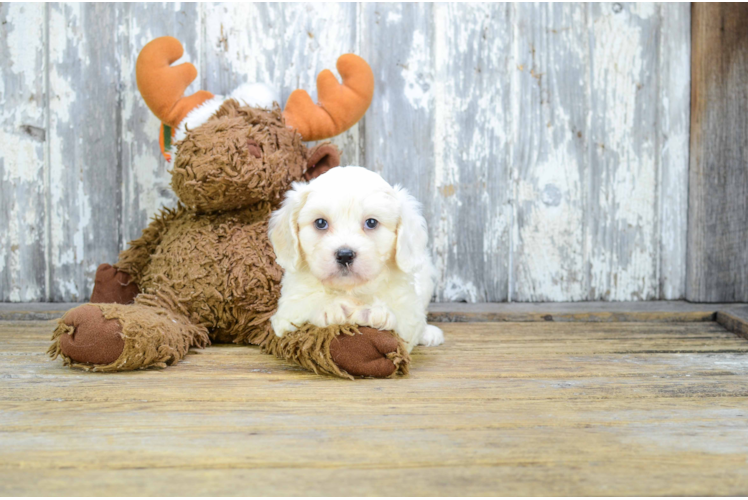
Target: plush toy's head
column 227, row 153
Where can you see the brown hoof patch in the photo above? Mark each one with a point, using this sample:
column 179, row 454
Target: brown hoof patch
column 113, row 287
column 95, row 340
column 365, row 354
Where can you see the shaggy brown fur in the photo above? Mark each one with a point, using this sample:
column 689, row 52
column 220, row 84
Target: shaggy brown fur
column 320, row 350
column 216, row 269
column 214, row 170
column 150, row 341
column 206, row 270
column 154, row 337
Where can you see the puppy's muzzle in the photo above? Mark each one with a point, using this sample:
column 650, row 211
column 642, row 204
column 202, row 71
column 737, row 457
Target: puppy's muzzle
column 345, row 256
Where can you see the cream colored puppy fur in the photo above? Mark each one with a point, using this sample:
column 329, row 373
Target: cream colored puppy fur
column 352, row 213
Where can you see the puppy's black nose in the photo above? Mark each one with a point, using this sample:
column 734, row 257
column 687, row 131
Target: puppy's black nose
column 345, row 256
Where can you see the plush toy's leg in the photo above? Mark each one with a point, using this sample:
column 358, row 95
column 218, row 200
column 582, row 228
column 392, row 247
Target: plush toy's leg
column 343, row 351
column 116, row 337
column 370, row 353
column 112, row 286
column 134, row 260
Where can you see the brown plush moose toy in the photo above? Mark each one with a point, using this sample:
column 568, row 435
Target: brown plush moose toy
column 205, row 271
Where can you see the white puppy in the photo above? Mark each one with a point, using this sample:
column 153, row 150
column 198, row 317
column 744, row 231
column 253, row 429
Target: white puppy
column 354, row 252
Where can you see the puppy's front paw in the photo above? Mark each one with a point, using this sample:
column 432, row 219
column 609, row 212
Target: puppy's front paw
column 281, row 326
column 335, row 313
column 378, row 316
column 432, row 336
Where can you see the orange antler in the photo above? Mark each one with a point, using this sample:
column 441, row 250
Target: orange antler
column 340, row 106
column 162, row 86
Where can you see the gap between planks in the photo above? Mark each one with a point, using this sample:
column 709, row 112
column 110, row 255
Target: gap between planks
column 732, row 316
column 650, row 311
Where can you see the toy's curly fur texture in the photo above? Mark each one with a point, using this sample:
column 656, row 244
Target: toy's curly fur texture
column 214, row 169
column 154, row 337
column 206, row 269
column 309, row 347
column 217, row 269
column 152, row 342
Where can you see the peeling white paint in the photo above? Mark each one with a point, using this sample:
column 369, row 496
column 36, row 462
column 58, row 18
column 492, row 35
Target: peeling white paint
column 62, row 96
column 624, row 264
column 152, row 190
column 456, row 290
column 237, row 51
column 417, row 74
column 26, row 23
column 22, row 135
column 313, row 40
column 394, row 17
column 673, row 133
column 549, row 159
column 21, row 159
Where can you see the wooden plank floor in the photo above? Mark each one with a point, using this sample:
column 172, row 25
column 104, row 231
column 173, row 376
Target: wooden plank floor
column 501, row 409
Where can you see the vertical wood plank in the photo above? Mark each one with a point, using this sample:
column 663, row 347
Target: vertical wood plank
column 549, row 153
column 315, row 35
column 84, row 122
column 470, row 209
column 673, row 110
column 622, row 225
column 283, row 45
column 23, row 136
column 397, row 41
column 145, row 180
column 718, row 187
column 242, row 43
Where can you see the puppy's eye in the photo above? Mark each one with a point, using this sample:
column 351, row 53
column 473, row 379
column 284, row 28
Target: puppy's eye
column 371, row 223
column 320, row 224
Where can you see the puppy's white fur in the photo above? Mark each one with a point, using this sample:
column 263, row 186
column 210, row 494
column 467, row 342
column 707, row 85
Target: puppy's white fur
column 390, row 281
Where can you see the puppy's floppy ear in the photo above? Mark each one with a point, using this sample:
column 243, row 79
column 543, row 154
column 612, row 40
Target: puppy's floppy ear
column 412, row 235
column 284, row 229
column 321, row 159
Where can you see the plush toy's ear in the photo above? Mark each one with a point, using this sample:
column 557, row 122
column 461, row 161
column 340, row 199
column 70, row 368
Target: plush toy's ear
column 321, row 159
column 284, row 228
column 412, row 235
column 340, row 106
column 162, row 86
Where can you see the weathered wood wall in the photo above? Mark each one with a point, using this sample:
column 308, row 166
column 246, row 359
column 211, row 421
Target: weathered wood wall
column 718, row 208
column 548, row 143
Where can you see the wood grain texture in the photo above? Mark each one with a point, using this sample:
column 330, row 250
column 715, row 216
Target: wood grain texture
column 85, row 177
column 718, row 193
column 145, row 179
column 500, row 409
column 547, row 143
column 622, row 189
column 23, row 136
column 652, row 311
column 673, row 124
column 240, row 44
column 314, row 36
column 470, row 205
column 549, row 161
column 735, row 319
column 398, row 42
